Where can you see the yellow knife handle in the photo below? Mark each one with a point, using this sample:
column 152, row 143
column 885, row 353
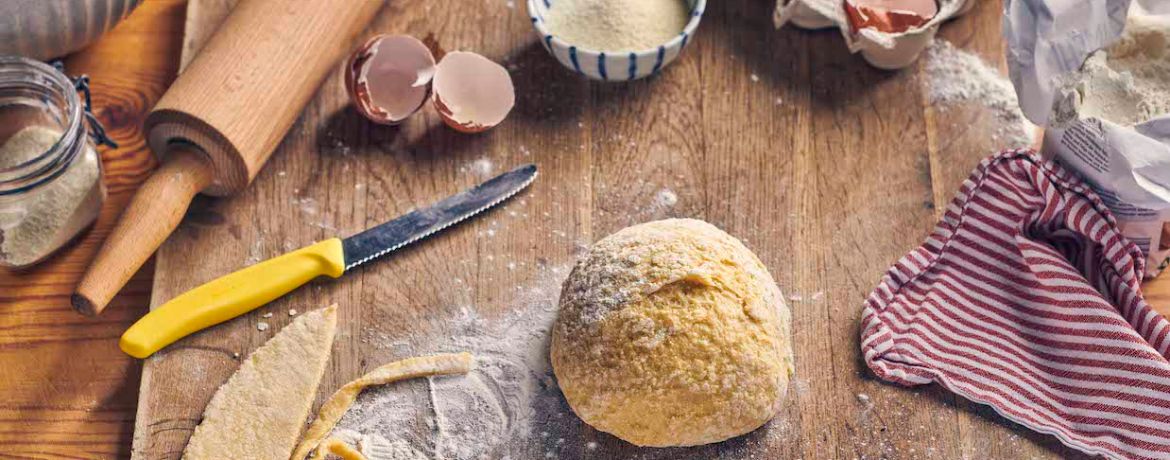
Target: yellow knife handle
column 230, row 296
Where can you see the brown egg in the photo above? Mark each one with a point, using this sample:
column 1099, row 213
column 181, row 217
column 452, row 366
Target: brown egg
column 388, row 77
column 471, row 92
column 890, row 16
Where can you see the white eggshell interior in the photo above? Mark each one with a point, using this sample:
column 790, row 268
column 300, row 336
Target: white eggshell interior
column 397, row 74
column 477, row 92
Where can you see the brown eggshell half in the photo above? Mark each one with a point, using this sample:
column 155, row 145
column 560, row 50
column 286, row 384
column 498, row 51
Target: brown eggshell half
column 387, row 77
column 472, row 93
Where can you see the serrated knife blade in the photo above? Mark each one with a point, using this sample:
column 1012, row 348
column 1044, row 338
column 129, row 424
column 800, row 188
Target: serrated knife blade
column 421, row 223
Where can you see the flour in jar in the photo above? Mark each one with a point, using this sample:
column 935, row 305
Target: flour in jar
column 35, row 223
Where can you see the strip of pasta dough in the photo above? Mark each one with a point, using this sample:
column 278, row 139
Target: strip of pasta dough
column 410, row 368
column 337, row 447
column 259, row 412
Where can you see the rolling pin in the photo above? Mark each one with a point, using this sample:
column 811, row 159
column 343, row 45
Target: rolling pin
column 221, row 120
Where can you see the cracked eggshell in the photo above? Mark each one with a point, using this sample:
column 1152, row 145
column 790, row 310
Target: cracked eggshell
column 471, row 92
column 889, row 16
column 800, row 14
column 864, row 24
column 387, row 77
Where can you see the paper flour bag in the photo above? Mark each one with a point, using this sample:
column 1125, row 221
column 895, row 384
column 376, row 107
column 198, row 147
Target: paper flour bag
column 1096, row 75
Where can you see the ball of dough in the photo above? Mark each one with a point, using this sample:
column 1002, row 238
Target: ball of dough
column 672, row 333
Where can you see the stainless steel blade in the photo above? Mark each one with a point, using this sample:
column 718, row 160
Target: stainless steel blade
column 418, row 224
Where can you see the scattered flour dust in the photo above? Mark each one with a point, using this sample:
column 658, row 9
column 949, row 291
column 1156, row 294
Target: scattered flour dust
column 376, row 446
column 955, row 77
column 481, row 167
column 665, row 198
column 500, row 409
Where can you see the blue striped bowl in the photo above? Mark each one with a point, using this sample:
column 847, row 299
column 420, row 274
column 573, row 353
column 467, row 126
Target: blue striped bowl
column 612, row 66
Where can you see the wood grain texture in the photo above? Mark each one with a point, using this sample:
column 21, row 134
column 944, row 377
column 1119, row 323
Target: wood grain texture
column 1157, row 292
column 66, row 391
column 237, row 98
column 758, row 158
column 149, row 218
column 829, row 169
column 234, row 102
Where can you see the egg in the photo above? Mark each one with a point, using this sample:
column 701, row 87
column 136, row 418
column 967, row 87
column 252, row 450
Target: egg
column 890, row 16
column 472, row 93
column 388, row 77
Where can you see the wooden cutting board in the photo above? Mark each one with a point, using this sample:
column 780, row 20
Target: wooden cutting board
column 829, row 169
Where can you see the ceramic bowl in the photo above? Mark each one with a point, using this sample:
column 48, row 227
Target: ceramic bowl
column 610, row 65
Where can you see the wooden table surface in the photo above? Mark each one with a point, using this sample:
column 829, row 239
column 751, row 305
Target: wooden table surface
column 66, row 390
column 827, row 168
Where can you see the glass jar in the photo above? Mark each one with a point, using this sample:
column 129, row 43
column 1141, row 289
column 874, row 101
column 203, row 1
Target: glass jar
column 51, row 184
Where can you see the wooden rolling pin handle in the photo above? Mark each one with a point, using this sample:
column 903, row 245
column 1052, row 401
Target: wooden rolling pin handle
column 155, row 212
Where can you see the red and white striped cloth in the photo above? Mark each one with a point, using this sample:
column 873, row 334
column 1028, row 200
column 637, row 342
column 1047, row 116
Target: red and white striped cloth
column 1026, row 298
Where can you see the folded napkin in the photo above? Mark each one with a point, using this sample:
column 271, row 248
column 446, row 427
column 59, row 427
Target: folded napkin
column 1026, row 298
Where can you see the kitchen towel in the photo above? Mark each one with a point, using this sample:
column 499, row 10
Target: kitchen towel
column 1026, row 298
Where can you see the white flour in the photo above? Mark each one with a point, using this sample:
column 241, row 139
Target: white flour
column 36, row 223
column 665, row 198
column 617, row 25
column 1129, row 82
column 499, row 409
column 957, row 77
column 481, row 167
column 376, row 446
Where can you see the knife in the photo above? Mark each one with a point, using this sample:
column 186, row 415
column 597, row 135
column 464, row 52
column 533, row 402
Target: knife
column 242, row 291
